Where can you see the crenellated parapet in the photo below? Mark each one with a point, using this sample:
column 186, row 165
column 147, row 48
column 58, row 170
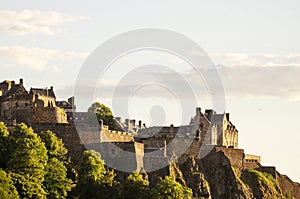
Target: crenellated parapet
column 107, row 135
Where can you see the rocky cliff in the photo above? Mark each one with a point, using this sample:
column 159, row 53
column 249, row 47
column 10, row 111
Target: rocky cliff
column 214, row 177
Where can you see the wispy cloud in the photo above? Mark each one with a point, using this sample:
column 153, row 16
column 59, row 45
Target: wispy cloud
column 256, row 59
column 278, row 81
column 34, row 21
column 238, row 82
column 36, row 58
column 245, row 76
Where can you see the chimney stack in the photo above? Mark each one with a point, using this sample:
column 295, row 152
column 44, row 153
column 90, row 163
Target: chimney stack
column 127, row 122
column 227, row 116
column 171, row 128
column 132, row 122
column 140, row 123
column 118, row 119
column 209, row 113
column 21, row 82
column 198, row 111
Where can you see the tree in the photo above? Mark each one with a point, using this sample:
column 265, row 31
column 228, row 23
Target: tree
column 136, row 187
column 7, row 188
column 4, row 145
column 56, row 183
column 95, row 181
column 103, row 113
column 170, row 189
column 55, row 146
column 27, row 161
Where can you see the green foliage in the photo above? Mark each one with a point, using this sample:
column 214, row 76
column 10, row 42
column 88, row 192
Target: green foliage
column 54, row 145
column 170, row 189
column 7, row 188
column 56, row 183
column 263, row 185
column 94, row 176
column 102, row 112
column 136, row 187
column 3, row 130
column 27, row 161
column 4, row 145
column 28, row 186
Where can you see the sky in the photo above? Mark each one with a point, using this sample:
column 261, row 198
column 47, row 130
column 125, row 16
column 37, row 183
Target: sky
column 254, row 45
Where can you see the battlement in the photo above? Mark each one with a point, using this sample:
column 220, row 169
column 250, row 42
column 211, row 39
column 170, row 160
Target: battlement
column 107, row 135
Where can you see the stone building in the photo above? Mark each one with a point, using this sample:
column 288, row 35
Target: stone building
column 68, row 106
column 208, row 128
column 37, row 105
column 227, row 134
column 129, row 125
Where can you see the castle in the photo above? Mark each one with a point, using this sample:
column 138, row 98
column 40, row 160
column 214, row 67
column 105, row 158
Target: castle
column 207, row 131
column 36, row 105
column 39, row 109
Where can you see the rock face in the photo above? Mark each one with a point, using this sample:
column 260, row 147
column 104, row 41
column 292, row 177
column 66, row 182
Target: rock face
column 221, row 177
column 195, row 179
column 263, row 185
column 214, row 177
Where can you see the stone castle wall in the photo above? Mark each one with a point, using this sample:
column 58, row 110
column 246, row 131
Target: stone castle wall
column 115, row 136
column 88, row 133
column 113, row 156
column 49, row 115
column 235, row 156
column 288, row 185
column 68, row 134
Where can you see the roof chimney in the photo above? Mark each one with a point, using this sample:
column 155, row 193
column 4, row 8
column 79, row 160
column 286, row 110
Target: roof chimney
column 132, row 122
column 209, row 113
column 51, row 88
column 12, row 83
column 21, row 82
column 227, row 116
column 198, row 111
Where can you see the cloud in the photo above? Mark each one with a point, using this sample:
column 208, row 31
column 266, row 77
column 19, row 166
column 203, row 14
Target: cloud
column 34, row 21
column 264, row 76
column 256, row 59
column 238, row 82
column 262, row 82
column 36, row 58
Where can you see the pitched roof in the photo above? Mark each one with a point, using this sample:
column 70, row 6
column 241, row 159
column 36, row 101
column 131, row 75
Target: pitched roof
column 217, row 118
column 64, row 104
column 42, row 92
column 15, row 89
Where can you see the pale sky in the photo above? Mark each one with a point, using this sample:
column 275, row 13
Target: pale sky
column 255, row 45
